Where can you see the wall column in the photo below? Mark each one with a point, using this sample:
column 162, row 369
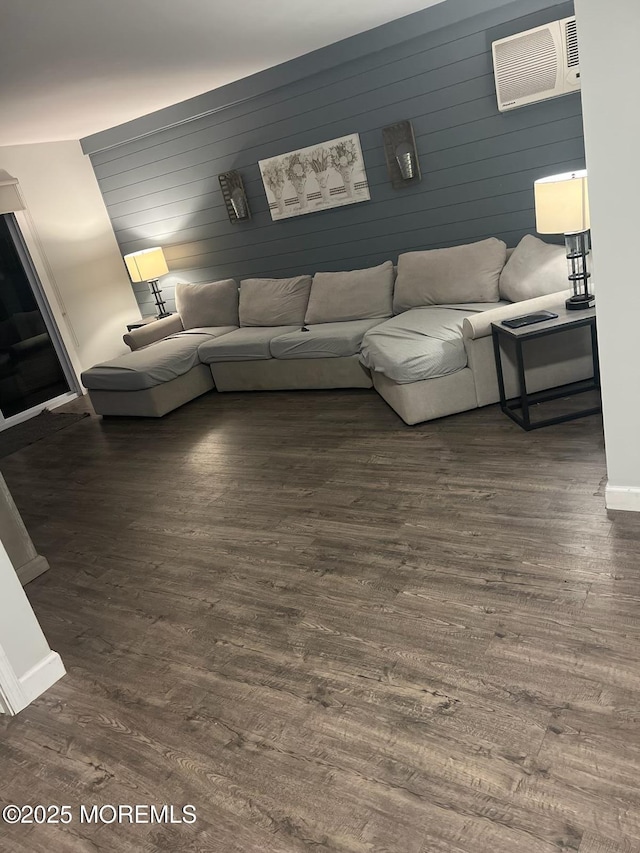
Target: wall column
column 28, row 666
column 20, row 549
column 610, row 71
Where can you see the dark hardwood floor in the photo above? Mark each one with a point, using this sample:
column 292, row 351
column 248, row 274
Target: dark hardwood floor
column 330, row 632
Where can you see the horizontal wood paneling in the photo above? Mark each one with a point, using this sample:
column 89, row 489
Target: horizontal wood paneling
column 359, row 96
column 478, row 165
column 456, row 182
column 212, row 214
column 361, row 79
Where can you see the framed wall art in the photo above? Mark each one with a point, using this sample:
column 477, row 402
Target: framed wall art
column 322, row 176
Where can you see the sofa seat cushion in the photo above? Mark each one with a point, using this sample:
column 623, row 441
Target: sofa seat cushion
column 152, row 365
column 250, row 343
column 325, row 340
column 422, row 343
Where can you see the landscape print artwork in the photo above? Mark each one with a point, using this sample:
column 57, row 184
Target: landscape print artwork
column 330, row 174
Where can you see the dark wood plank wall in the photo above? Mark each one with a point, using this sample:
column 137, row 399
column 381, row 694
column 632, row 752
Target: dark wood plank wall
column 478, row 165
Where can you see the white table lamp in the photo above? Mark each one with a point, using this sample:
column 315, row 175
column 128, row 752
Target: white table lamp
column 148, row 265
column 562, row 207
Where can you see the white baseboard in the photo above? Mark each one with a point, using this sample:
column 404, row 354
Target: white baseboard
column 625, row 498
column 41, row 677
column 33, row 569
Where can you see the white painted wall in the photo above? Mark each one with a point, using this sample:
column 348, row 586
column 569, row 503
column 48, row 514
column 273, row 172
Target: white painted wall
column 74, row 249
column 610, row 67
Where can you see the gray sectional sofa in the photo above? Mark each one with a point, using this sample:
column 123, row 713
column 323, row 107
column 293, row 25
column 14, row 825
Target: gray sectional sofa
column 420, row 334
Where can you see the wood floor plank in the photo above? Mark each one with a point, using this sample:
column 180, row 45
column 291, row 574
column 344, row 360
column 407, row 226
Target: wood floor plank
column 594, row 843
column 330, row 632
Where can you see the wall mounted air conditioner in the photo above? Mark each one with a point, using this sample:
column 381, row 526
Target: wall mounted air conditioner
column 536, row 65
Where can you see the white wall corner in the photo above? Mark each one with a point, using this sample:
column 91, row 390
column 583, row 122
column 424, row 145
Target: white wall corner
column 625, row 498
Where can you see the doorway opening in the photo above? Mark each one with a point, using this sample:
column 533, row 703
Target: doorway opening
column 35, row 371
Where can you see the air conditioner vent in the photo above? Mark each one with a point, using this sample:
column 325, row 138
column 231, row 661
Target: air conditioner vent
column 537, row 53
column 536, row 65
column 571, row 36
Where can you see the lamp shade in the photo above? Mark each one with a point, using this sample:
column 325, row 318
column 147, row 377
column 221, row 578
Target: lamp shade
column 146, row 265
column 562, row 203
column 10, row 198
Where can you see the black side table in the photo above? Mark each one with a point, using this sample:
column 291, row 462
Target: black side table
column 518, row 408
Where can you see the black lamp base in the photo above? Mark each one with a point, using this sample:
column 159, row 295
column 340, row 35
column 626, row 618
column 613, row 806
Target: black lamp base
column 580, row 302
column 160, row 303
column 578, row 245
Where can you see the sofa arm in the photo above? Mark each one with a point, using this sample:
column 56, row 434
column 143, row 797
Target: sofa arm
column 153, row 332
column 479, row 325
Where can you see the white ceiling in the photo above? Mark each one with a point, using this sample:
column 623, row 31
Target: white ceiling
column 69, row 68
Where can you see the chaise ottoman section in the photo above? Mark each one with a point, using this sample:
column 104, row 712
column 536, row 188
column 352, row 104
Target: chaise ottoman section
column 419, row 361
column 153, row 380
column 428, row 399
column 422, row 343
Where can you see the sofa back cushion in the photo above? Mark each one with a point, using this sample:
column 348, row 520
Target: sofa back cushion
column 462, row 274
column 212, row 304
column 355, row 295
column 274, row 301
column 534, row 269
column 29, row 324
